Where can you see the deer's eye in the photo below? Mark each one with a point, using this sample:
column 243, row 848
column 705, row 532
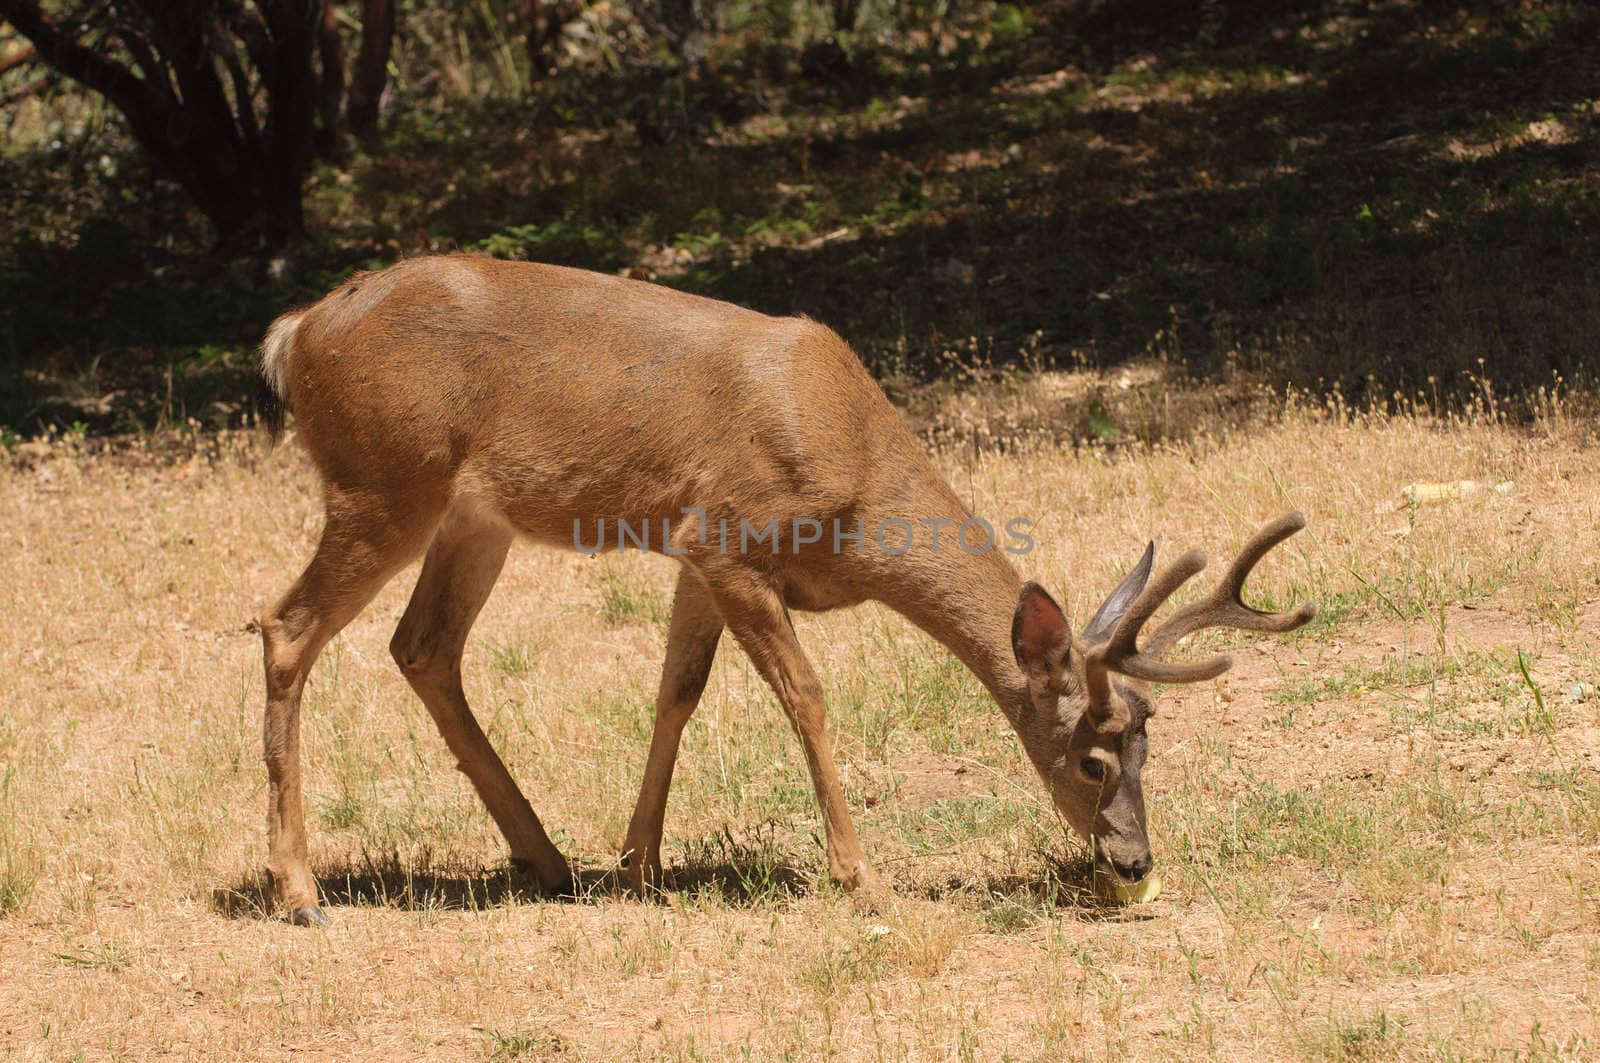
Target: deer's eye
column 1094, row 769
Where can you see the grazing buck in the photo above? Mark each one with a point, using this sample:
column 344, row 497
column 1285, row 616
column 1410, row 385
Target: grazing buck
column 453, row 403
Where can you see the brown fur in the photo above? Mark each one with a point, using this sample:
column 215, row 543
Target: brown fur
column 451, row 404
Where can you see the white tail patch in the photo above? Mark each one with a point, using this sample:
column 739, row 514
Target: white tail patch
column 275, row 351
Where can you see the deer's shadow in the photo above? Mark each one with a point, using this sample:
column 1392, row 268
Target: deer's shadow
column 1052, row 887
column 388, row 882
column 737, row 878
column 1016, row 899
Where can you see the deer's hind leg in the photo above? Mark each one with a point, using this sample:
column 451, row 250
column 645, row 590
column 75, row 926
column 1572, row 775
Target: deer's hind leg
column 691, row 646
column 460, row 570
column 365, row 541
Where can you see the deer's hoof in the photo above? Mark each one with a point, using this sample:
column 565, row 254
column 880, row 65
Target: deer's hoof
column 529, row 877
column 308, row 917
column 640, row 872
column 857, row 878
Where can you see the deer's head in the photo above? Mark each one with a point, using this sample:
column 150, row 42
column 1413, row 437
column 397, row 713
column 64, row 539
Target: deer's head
column 1089, row 696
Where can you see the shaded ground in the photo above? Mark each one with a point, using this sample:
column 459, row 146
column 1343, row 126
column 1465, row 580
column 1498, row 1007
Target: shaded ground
column 1366, row 195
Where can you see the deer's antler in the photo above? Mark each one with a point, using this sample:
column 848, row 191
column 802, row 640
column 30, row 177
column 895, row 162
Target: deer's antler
column 1223, row 607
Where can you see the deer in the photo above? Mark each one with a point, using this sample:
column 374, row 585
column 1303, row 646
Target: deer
column 452, row 404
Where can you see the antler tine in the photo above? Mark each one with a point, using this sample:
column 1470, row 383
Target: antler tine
column 1120, row 653
column 1225, row 607
column 1124, row 641
column 1222, row 607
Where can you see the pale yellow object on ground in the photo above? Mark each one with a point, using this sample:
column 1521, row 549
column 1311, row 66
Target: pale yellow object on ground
column 1144, row 891
column 1451, row 490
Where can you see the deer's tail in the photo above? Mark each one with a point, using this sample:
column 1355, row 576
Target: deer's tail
column 272, row 374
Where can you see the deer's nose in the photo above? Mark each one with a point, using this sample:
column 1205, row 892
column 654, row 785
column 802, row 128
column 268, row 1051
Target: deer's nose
column 1135, row 871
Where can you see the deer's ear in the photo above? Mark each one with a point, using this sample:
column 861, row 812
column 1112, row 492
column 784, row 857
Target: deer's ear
column 1041, row 637
column 1117, row 602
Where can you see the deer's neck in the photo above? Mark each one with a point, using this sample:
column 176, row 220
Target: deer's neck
column 963, row 598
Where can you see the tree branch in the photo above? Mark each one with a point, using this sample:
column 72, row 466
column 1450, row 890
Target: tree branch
column 155, row 73
column 82, row 65
column 11, row 62
column 243, row 95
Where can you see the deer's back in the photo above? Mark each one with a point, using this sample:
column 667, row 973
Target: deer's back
column 554, row 392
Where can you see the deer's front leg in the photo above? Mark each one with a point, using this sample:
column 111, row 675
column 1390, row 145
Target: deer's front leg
column 755, row 614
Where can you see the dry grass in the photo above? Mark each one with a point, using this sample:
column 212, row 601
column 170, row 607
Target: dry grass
column 1379, row 837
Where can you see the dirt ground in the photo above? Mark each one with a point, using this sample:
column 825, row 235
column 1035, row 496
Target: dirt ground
column 1379, row 837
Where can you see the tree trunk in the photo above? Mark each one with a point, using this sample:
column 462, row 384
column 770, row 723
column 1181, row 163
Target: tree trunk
column 290, row 82
column 677, row 17
column 330, row 52
column 544, row 21
column 244, row 174
column 372, row 68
